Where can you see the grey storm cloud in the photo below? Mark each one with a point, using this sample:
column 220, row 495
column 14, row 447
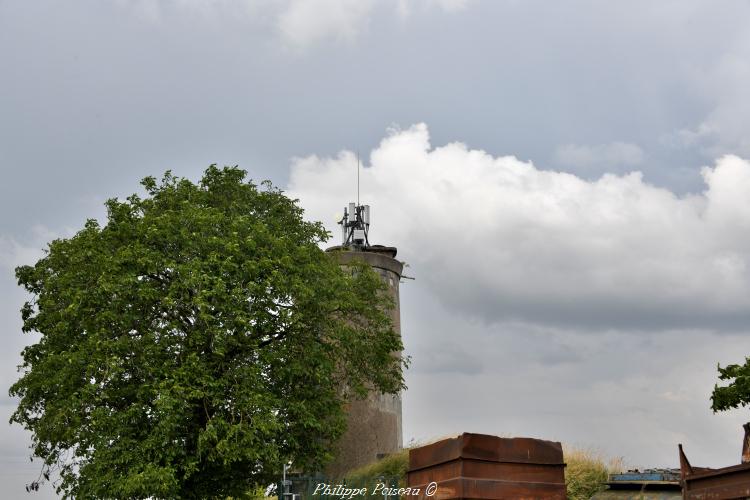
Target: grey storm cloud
column 608, row 156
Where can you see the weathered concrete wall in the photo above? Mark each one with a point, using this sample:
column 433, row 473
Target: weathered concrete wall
column 374, row 424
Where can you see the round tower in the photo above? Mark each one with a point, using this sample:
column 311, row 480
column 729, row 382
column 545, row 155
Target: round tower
column 374, row 423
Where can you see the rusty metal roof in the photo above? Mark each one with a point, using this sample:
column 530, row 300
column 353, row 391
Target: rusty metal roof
column 489, row 448
column 727, row 483
column 484, row 467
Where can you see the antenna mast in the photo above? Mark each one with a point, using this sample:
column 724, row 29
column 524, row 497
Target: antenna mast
column 355, row 225
column 357, row 178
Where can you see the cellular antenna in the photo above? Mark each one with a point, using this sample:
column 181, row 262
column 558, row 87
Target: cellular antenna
column 355, row 226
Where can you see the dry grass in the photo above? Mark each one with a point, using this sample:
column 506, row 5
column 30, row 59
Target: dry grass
column 394, row 465
column 587, row 471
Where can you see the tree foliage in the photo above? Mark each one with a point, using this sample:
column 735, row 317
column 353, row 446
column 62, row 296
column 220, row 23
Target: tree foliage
column 195, row 343
column 737, row 392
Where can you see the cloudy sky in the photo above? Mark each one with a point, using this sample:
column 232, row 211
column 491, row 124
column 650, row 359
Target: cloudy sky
column 568, row 182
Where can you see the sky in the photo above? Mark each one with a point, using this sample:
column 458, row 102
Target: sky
column 567, row 182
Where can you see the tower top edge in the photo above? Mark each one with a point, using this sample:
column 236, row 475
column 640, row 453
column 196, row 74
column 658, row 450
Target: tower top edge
column 381, row 260
column 379, row 249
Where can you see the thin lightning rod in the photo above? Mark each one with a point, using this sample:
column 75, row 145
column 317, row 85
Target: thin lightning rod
column 357, row 178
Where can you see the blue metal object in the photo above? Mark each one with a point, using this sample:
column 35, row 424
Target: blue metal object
column 663, row 475
column 649, row 484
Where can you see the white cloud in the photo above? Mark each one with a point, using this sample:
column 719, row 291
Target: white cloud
column 304, row 22
column 148, row 10
column 501, row 239
column 298, row 23
column 602, row 156
column 452, row 5
column 690, row 137
column 405, row 7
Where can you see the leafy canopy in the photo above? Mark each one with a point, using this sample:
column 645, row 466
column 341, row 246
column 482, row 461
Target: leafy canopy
column 195, row 343
column 737, row 393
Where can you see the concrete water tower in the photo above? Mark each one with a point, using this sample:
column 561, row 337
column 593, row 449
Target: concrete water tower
column 374, row 424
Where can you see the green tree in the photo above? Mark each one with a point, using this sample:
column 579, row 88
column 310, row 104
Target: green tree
column 737, row 393
column 195, row 343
